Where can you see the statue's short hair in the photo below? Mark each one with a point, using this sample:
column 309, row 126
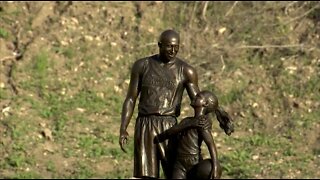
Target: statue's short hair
column 167, row 35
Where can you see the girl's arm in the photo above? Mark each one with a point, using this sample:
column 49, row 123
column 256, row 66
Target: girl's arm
column 185, row 124
column 208, row 139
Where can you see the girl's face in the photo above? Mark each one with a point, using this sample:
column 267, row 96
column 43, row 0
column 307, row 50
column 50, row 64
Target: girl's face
column 199, row 101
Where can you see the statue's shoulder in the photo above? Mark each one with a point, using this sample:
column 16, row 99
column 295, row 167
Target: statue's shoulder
column 188, row 70
column 184, row 64
column 141, row 63
column 141, row 60
column 145, row 60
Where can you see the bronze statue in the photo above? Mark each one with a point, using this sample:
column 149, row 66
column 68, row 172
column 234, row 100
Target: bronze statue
column 185, row 141
column 160, row 80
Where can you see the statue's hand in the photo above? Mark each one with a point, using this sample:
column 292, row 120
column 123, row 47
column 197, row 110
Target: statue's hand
column 160, row 137
column 214, row 174
column 204, row 123
column 225, row 121
column 215, row 171
column 228, row 128
column 123, row 139
column 199, row 122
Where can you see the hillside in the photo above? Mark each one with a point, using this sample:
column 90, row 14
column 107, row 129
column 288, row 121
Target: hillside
column 64, row 73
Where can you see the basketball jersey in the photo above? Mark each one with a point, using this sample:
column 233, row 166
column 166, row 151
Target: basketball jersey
column 162, row 86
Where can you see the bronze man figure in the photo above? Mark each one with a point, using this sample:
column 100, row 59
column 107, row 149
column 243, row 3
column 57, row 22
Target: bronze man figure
column 160, row 80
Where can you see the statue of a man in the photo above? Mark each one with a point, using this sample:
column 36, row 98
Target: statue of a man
column 160, row 80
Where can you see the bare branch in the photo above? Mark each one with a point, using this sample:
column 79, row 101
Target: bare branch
column 270, row 46
column 192, row 14
column 309, row 47
column 8, row 58
column 303, row 15
column 223, row 64
column 229, row 11
column 10, row 79
column 204, row 10
column 148, row 44
column 288, row 6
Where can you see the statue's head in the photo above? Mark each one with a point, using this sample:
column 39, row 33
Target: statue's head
column 207, row 100
column 169, row 44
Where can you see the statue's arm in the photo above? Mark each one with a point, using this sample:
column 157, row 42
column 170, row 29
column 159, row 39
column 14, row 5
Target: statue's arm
column 185, row 124
column 208, row 139
column 225, row 121
column 191, row 83
column 129, row 102
column 192, row 87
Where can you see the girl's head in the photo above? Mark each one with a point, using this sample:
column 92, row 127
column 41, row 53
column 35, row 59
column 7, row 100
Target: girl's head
column 207, row 100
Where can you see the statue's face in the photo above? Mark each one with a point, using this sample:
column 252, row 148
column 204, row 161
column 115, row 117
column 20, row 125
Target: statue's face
column 199, row 101
column 169, row 48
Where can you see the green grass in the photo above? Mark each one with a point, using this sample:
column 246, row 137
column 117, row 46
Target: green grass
column 25, row 175
column 17, row 131
column 40, row 65
column 50, row 166
column 111, row 138
column 16, row 159
column 3, row 33
column 115, row 103
column 55, row 106
column 298, row 86
column 236, row 164
column 42, row 74
column 119, row 173
column 92, row 146
column 231, row 96
column 118, row 154
column 67, row 153
column 69, row 53
column 83, row 171
column 4, row 94
column 39, row 71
